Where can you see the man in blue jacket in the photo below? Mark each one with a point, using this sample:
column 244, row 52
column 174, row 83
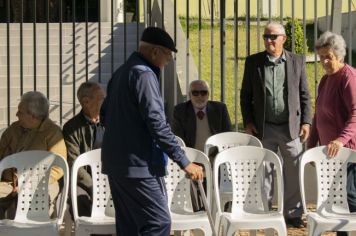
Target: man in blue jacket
column 138, row 138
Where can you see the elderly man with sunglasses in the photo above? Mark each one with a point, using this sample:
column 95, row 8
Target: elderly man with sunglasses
column 197, row 119
column 276, row 107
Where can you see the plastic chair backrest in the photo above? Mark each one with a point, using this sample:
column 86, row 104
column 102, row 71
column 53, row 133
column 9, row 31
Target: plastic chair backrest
column 178, row 186
column 247, row 168
column 224, row 141
column 33, row 171
column 102, row 200
column 180, row 141
column 331, row 174
column 230, row 139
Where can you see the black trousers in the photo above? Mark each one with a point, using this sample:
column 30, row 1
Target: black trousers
column 141, row 206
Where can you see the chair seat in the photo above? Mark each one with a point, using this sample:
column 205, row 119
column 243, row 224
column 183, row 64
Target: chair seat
column 12, row 228
column 340, row 222
column 249, row 221
column 96, row 220
column 182, row 222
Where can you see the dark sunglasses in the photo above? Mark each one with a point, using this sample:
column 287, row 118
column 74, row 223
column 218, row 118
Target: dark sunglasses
column 271, row 36
column 196, row 93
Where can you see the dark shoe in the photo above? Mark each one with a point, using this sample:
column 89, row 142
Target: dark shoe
column 295, row 222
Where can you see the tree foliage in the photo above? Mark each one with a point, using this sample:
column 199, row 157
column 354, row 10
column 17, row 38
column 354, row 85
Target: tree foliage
column 298, row 37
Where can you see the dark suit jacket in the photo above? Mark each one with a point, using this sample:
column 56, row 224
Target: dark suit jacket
column 253, row 93
column 184, row 120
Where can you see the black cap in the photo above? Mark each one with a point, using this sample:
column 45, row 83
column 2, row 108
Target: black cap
column 158, row 36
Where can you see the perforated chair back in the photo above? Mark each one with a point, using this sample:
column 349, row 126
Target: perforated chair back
column 33, row 171
column 331, row 176
column 178, row 186
column 247, row 168
column 223, row 141
column 102, row 201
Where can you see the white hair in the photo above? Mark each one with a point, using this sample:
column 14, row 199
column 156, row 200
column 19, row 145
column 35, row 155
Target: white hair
column 36, row 104
column 279, row 26
column 333, row 41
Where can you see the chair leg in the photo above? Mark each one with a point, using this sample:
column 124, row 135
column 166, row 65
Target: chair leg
column 67, row 223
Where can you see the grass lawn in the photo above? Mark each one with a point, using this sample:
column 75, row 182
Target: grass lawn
column 231, row 87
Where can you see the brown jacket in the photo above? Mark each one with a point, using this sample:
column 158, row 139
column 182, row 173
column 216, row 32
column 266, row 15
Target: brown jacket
column 48, row 137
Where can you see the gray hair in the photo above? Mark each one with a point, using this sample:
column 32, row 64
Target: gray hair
column 198, row 82
column 279, row 26
column 36, row 104
column 333, row 41
column 86, row 89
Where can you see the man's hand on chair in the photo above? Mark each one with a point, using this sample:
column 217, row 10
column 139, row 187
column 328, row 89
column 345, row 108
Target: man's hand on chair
column 194, row 171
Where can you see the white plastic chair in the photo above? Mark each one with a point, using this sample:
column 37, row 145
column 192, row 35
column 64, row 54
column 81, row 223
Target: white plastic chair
column 180, row 141
column 224, row 141
column 102, row 219
column 332, row 212
column 179, row 198
column 248, row 212
column 32, row 213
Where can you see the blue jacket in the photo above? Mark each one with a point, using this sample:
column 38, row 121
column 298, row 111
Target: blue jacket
column 136, row 130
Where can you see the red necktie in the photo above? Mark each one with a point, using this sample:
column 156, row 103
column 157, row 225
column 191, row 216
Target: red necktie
column 200, row 115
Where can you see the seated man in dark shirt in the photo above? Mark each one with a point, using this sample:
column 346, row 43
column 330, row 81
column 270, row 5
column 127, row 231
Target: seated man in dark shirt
column 83, row 133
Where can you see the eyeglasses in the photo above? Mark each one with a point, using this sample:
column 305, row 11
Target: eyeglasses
column 271, row 36
column 196, row 93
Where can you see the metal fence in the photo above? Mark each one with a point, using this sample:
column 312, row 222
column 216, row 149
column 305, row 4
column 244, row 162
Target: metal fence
column 53, row 45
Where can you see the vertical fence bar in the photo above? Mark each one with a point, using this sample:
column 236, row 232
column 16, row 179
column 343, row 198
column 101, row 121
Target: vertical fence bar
column 293, row 28
column 47, row 47
column 281, row 11
column 73, row 54
column 236, row 51
column 258, row 24
column 162, row 74
column 112, row 37
column 175, row 82
column 99, row 40
column 199, row 43
column 162, row 4
column 86, row 40
column 149, row 12
column 269, row 11
column 327, row 14
column 125, row 31
column 350, row 33
column 60, row 61
column 21, row 50
column 137, row 23
column 187, row 52
column 34, row 46
column 304, row 30
column 8, row 60
column 248, row 28
column 222, row 49
column 315, row 52
column 212, row 50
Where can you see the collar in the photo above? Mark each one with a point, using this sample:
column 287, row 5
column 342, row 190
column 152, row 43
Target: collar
column 275, row 60
column 196, row 110
column 88, row 120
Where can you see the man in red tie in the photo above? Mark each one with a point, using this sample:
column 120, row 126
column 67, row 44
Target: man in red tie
column 197, row 119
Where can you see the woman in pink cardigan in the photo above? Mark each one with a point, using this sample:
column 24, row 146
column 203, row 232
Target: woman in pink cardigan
column 334, row 123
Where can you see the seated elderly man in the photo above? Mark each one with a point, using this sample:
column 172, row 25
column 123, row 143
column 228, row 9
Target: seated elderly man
column 33, row 131
column 82, row 133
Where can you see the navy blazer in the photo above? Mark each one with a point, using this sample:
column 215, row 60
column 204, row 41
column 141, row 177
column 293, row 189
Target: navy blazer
column 184, row 120
column 253, row 93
